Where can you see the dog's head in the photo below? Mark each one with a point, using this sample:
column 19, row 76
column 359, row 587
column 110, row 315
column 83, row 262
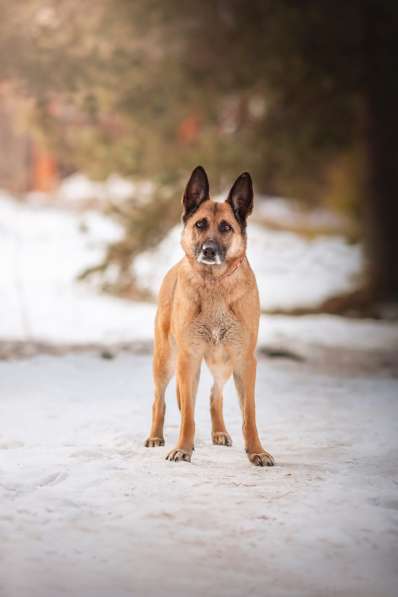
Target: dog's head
column 215, row 233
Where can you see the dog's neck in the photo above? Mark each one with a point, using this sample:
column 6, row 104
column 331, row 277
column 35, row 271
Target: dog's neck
column 232, row 270
column 229, row 272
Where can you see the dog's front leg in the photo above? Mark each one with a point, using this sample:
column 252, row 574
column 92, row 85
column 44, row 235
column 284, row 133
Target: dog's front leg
column 245, row 380
column 187, row 380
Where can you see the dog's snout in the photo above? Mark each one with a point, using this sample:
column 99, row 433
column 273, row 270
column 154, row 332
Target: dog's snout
column 210, row 253
column 210, row 249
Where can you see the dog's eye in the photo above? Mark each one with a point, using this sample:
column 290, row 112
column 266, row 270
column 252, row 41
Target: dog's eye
column 225, row 227
column 201, row 224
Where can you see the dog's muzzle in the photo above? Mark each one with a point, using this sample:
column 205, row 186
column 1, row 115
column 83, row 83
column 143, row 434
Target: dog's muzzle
column 211, row 253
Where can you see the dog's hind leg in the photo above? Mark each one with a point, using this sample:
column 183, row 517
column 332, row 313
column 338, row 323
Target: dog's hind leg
column 219, row 433
column 221, row 373
column 163, row 369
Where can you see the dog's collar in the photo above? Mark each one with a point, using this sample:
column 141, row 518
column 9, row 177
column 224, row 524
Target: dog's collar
column 233, row 270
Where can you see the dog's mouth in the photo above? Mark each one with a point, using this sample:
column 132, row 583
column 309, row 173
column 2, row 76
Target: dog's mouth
column 210, row 253
column 208, row 261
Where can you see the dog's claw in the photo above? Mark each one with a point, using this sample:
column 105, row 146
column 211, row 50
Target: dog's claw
column 221, row 438
column 261, row 459
column 154, row 442
column 178, row 454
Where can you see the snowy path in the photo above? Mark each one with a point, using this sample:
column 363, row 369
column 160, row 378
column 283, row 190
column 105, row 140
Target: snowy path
column 87, row 511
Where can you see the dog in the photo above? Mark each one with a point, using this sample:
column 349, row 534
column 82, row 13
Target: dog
column 209, row 309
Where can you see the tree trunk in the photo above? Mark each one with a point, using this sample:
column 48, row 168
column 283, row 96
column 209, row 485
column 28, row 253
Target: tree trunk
column 381, row 96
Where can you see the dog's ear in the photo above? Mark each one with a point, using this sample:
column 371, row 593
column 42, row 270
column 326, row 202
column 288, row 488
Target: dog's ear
column 240, row 198
column 197, row 191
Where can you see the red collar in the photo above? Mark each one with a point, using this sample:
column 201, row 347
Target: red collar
column 233, row 270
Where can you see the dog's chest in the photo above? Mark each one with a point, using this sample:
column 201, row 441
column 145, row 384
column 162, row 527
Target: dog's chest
column 215, row 324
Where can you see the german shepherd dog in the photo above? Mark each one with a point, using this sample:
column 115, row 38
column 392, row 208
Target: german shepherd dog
column 209, row 309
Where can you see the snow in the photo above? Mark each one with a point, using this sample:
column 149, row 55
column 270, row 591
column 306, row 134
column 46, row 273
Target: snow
column 43, row 250
column 287, row 213
column 78, row 188
column 328, row 331
column 87, row 510
column 291, row 271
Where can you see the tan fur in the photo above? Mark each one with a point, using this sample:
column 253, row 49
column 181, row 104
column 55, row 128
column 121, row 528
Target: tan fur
column 211, row 313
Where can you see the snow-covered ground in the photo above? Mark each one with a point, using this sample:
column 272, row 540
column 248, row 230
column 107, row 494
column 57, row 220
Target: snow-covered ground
column 291, row 271
column 77, row 191
column 289, row 214
column 86, row 510
column 43, row 249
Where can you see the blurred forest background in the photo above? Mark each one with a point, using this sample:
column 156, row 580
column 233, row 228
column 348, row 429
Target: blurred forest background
column 303, row 94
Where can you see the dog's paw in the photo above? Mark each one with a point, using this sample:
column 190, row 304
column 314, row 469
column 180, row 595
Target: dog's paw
column 221, row 438
column 179, row 454
column 261, row 459
column 154, row 442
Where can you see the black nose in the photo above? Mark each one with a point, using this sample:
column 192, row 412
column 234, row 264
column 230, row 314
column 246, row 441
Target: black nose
column 209, row 252
column 209, row 249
